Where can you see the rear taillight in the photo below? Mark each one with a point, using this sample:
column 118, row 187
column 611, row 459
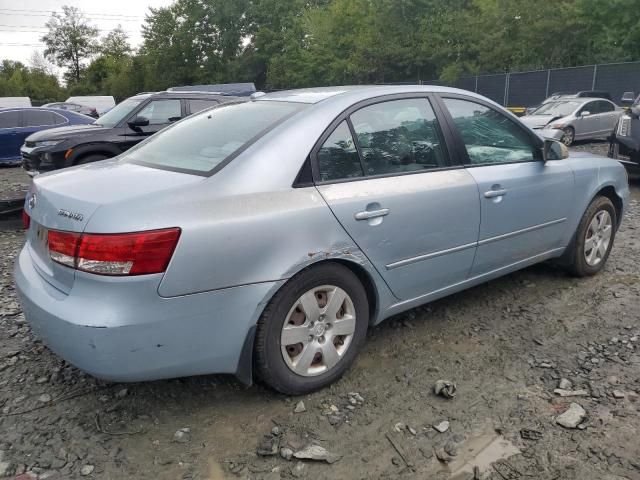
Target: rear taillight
column 26, row 220
column 136, row 253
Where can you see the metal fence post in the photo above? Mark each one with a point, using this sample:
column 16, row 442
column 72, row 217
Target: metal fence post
column 506, row 89
column 476, row 90
column 595, row 75
column 548, row 79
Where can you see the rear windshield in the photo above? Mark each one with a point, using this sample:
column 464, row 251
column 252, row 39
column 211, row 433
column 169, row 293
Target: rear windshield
column 202, row 142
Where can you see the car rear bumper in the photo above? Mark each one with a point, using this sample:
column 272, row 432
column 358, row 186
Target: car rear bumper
column 120, row 329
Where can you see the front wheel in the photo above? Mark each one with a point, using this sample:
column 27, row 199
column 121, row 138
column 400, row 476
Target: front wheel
column 568, row 136
column 594, row 238
column 312, row 329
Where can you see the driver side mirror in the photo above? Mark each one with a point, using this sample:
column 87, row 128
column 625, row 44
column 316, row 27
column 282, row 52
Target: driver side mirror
column 554, row 150
column 138, row 122
column 585, row 113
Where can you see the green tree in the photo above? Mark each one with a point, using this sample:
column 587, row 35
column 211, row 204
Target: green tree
column 71, row 41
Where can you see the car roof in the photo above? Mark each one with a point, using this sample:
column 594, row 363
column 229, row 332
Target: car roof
column 318, row 94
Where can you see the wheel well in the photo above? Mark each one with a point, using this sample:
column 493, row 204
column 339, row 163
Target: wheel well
column 611, row 194
column 88, row 154
column 365, row 279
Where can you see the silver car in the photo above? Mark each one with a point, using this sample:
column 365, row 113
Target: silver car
column 264, row 238
column 573, row 119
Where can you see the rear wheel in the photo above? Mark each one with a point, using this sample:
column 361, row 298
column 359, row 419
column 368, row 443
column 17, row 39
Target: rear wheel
column 594, row 238
column 90, row 159
column 568, row 136
column 312, row 329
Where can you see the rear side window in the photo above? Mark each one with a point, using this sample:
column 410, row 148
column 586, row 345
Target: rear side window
column 399, row 136
column 39, row 118
column 338, row 157
column 10, row 119
column 604, row 107
column 197, row 105
column 201, row 142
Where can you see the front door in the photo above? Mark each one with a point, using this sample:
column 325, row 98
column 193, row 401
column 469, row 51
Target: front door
column 385, row 173
column 525, row 202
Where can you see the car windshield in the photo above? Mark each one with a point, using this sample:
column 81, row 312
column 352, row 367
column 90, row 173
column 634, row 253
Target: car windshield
column 119, row 112
column 557, row 109
column 203, row 141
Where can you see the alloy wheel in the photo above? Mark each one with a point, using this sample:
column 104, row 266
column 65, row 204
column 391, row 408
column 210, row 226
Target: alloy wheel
column 597, row 238
column 567, row 136
column 318, row 330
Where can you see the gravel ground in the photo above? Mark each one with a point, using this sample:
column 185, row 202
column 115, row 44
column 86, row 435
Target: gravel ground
column 507, row 345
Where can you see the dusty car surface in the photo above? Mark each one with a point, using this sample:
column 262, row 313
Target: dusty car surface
column 269, row 249
column 570, row 119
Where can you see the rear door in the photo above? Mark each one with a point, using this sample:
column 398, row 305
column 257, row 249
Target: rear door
column 10, row 138
column 525, row 202
column 607, row 117
column 384, row 170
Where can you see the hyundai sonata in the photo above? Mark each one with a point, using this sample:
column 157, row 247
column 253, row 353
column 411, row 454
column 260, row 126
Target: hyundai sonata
column 264, row 238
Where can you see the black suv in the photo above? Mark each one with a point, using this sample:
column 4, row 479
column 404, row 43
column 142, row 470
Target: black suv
column 122, row 127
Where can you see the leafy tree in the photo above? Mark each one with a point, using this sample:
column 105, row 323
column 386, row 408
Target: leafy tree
column 70, row 41
column 116, row 44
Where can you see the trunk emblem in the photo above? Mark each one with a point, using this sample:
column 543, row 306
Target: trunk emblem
column 72, row 215
column 32, row 201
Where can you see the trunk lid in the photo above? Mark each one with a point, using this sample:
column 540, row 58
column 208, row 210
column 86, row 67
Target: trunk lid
column 66, row 200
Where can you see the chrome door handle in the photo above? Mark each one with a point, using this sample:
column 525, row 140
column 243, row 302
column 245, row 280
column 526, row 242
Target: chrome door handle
column 495, row 193
column 367, row 214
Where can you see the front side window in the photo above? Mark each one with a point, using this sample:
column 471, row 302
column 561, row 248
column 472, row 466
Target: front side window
column 591, row 107
column 201, row 142
column 118, row 113
column 10, row 119
column 399, row 136
column 338, row 157
column 161, row 112
column 489, row 136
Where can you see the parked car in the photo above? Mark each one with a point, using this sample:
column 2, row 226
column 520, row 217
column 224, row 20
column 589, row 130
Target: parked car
column 16, row 124
column 15, row 102
column 127, row 124
column 575, row 119
column 566, row 95
column 73, row 107
column 624, row 143
column 102, row 103
column 275, row 232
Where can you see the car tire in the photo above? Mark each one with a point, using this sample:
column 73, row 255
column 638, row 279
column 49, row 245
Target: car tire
column 568, row 136
column 587, row 255
column 90, row 159
column 302, row 367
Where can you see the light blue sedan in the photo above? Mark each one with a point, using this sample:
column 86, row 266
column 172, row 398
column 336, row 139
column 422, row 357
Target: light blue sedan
column 264, row 238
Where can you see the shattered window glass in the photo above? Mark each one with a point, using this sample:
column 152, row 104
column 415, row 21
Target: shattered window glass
column 489, row 136
column 399, row 136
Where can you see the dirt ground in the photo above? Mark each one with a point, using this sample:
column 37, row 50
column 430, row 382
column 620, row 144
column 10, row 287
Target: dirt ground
column 506, row 344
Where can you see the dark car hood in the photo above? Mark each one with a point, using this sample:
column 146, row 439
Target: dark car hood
column 64, row 132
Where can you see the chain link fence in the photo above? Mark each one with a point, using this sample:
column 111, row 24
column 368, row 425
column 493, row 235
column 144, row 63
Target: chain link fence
column 523, row 89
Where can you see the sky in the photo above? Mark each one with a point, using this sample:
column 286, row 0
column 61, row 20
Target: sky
column 22, row 23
